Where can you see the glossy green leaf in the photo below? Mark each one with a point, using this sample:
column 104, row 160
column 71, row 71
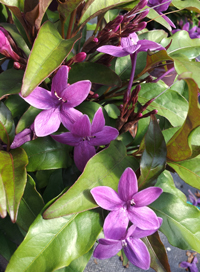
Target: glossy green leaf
column 95, row 72
column 153, row 35
column 7, row 248
column 180, row 221
column 158, row 18
column 30, row 206
column 16, row 105
column 45, row 153
column 192, row 5
column 105, row 168
column 182, row 44
column 188, row 170
column 170, row 104
column 154, row 156
column 159, row 260
column 112, row 110
column 169, row 133
column 7, row 126
column 13, row 177
column 42, row 178
column 67, row 237
column 8, row 86
column 27, row 118
column 48, row 52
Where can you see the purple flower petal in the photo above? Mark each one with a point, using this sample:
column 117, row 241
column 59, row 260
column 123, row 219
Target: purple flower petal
column 82, row 153
column 106, row 198
column 67, row 138
column 107, row 249
column 41, row 99
column 59, row 81
column 82, row 127
column 185, row 264
column 137, row 253
column 143, row 217
column 147, row 196
column 130, row 43
column 69, row 116
column 98, row 121
column 116, row 51
column 105, row 136
column 128, row 185
column 76, row 93
column 149, row 45
column 21, row 138
column 168, row 20
column 186, row 26
column 115, row 224
column 47, row 122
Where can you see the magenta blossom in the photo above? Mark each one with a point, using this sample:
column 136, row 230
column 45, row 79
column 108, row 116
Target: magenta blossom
column 58, row 105
column 5, row 47
column 134, row 248
column 84, row 137
column 22, row 137
column 127, row 204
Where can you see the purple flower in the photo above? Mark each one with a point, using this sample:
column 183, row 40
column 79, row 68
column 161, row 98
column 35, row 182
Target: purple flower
column 193, row 199
column 134, row 248
column 22, row 137
column 5, row 47
column 58, row 105
column 127, row 204
column 84, row 136
column 191, row 266
column 194, row 32
column 160, row 6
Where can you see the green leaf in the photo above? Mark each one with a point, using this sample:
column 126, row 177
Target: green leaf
column 180, row 221
column 48, row 52
column 95, row 72
column 15, row 3
column 45, row 153
column 16, row 105
column 182, row 44
column 8, row 86
column 159, row 260
column 154, row 156
column 30, row 206
column 188, row 170
column 105, row 168
column 112, row 111
column 169, row 133
column 66, row 7
column 67, row 237
column 153, row 14
column 192, row 5
column 7, row 126
column 13, row 178
column 153, row 35
column 7, row 248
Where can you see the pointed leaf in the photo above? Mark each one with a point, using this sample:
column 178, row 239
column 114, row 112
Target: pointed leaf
column 193, row 5
column 154, row 156
column 153, row 14
column 48, row 52
column 105, row 168
column 7, row 126
column 65, row 8
column 27, row 118
column 45, row 153
column 67, row 237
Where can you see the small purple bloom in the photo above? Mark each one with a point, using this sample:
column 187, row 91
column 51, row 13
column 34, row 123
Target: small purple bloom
column 194, row 32
column 84, row 136
column 191, row 266
column 58, row 105
column 127, row 204
column 134, row 248
column 22, row 137
column 5, row 47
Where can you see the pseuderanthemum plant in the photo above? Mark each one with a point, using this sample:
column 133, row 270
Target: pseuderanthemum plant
column 91, row 127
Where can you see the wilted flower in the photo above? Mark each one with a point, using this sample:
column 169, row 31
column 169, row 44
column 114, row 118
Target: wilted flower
column 84, row 136
column 127, row 204
column 191, row 266
column 58, row 105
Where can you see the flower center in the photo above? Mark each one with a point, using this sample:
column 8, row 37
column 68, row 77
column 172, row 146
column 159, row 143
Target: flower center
column 60, row 98
column 132, row 202
column 124, row 243
column 87, row 138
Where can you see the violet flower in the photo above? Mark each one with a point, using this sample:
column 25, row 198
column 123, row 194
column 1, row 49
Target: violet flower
column 194, row 32
column 134, row 248
column 58, row 105
column 193, row 199
column 5, row 47
column 160, row 6
column 84, row 137
column 22, row 137
column 192, row 267
column 127, row 204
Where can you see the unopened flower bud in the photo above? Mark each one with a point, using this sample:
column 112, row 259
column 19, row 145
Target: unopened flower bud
column 5, row 47
column 19, row 66
column 80, row 57
column 95, row 40
column 142, row 4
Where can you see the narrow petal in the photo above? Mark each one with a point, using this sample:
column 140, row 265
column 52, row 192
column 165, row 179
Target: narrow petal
column 76, row 93
column 82, row 153
column 186, row 26
column 47, row 122
column 98, row 121
column 149, row 45
column 137, row 253
column 67, row 138
column 128, row 185
column 147, row 196
column 116, row 51
column 115, row 224
column 168, row 21
column 106, row 250
column 105, row 136
column 185, row 264
column 82, row 127
column 106, row 198
column 69, row 116
column 21, row 138
column 41, row 99
column 59, row 81
column 144, row 218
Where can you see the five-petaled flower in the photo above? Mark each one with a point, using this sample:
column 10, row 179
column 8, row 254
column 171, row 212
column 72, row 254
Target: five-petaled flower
column 58, row 105
column 127, row 204
column 134, row 248
column 84, row 136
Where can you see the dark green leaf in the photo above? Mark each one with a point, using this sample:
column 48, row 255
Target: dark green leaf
column 7, row 126
column 7, row 248
column 16, row 105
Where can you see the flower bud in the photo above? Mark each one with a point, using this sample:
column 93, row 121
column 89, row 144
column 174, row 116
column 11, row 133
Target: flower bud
column 95, row 40
column 5, row 47
column 80, row 57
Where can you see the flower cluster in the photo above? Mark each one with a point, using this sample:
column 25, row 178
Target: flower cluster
column 127, row 205
column 194, row 32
